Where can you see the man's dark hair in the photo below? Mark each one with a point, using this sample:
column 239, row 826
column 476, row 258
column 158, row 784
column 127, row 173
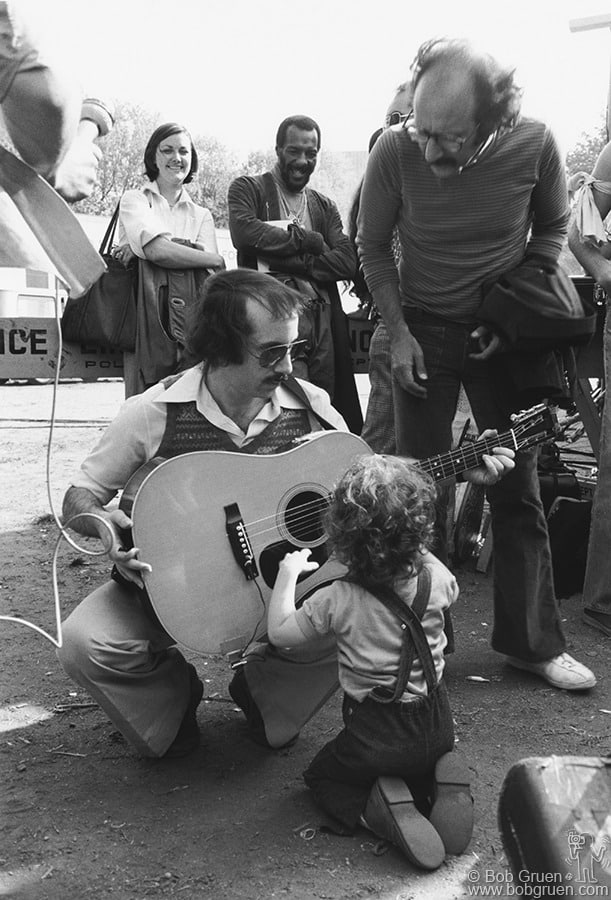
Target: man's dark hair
column 159, row 135
column 304, row 123
column 219, row 325
column 498, row 98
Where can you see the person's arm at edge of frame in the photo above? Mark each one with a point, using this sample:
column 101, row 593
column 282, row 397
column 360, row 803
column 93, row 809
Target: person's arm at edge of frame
column 596, row 260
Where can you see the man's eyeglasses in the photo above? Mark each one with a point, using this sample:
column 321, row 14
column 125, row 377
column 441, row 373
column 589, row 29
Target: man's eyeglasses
column 271, row 356
column 449, row 143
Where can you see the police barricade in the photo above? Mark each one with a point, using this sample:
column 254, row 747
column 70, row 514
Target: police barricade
column 29, row 349
column 29, row 339
column 360, row 330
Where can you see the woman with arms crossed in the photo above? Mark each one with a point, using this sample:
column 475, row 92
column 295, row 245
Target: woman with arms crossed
column 175, row 240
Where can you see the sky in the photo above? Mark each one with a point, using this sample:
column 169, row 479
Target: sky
column 233, row 69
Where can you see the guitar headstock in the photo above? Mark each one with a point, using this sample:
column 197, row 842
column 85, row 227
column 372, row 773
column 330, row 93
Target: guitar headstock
column 534, row 426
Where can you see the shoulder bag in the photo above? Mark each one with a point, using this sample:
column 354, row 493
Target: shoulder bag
column 106, row 314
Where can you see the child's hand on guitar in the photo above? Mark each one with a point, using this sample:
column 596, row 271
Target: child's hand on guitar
column 298, row 562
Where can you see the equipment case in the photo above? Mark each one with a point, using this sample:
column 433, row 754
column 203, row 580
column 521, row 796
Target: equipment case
column 555, row 820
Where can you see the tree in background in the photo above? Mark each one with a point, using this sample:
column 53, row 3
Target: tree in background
column 218, row 166
column 122, row 165
column 337, row 173
column 585, row 152
column 258, row 161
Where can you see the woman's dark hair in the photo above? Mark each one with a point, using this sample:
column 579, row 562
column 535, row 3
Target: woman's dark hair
column 497, row 97
column 380, row 519
column 159, row 135
column 219, row 325
column 304, row 123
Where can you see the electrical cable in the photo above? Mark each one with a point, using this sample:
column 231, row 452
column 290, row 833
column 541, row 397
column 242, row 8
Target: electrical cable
column 63, row 534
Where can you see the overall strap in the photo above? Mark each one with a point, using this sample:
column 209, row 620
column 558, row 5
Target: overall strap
column 414, row 638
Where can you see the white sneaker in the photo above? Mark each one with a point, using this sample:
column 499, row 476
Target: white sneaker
column 561, row 672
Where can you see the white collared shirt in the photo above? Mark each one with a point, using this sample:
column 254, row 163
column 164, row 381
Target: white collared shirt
column 145, row 214
column 134, row 436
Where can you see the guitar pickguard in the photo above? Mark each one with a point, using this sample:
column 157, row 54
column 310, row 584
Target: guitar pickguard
column 273, row 554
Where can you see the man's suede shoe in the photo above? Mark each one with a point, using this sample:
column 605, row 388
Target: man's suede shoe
column 452, row 809
column 561, row 672
column 188, row 736
column 599, row 620
column 391, row 814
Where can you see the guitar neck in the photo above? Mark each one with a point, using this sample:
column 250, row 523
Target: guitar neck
column 469, row 456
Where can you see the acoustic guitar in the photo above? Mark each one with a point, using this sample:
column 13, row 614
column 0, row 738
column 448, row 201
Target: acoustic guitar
column 214, row 525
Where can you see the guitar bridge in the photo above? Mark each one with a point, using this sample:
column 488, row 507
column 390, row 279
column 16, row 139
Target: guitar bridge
column 239, row 541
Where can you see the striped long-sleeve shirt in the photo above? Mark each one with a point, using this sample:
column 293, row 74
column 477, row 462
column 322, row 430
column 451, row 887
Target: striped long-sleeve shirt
column 456, row 233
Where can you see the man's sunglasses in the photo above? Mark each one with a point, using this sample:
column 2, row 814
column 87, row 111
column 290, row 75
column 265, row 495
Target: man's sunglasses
column 271, row 356
column 395, row 118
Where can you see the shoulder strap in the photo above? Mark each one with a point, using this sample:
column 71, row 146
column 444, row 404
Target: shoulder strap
column 423, row 592
column 295, row 388
column 410, row 622
column 109, row 234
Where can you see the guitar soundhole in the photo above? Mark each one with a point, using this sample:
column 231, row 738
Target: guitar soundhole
column 302, row 520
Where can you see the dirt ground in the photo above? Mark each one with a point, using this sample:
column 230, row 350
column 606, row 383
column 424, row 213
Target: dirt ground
column 82, row 817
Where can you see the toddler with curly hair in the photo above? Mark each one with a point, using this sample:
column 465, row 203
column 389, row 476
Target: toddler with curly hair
column 392, row 768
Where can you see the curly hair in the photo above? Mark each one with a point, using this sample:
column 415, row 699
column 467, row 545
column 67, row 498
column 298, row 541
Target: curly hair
column 219, row 327
column 380, row 519
column 498, row 98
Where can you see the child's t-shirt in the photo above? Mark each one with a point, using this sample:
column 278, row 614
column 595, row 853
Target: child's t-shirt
column 369, row 636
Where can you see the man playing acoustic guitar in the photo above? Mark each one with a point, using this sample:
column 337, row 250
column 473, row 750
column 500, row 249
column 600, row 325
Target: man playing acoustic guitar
column 240, row 397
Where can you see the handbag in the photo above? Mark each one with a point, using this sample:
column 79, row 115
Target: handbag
column 106, row 314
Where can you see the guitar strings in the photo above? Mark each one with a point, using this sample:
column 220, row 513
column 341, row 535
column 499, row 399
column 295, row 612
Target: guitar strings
column 306, row 513
column 301, row 519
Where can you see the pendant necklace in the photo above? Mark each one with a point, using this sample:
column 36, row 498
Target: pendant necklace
column 296, row 214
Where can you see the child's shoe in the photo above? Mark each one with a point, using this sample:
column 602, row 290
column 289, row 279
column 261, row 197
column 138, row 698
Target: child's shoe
column 452, row 809
column 391, row 814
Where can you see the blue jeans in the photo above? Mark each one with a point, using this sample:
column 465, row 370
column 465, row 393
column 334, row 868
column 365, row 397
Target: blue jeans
column 526, row 616
column 597, row 586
